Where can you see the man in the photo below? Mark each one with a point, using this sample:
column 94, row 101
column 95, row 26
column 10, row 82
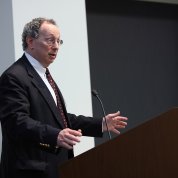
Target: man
column 38, row 133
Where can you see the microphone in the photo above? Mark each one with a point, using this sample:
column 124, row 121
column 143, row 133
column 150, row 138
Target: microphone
column 95, row 93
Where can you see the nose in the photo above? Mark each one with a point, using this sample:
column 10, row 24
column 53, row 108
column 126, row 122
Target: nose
column 55, row 45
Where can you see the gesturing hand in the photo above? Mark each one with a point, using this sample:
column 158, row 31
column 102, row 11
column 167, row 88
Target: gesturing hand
column 115, row 122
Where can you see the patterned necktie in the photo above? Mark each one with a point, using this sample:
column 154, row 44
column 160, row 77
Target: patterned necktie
column 59, row 104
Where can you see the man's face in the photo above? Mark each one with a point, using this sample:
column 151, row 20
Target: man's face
column 45, row 47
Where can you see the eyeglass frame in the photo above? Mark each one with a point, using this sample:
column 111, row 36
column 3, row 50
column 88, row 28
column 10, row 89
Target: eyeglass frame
column 51, row 41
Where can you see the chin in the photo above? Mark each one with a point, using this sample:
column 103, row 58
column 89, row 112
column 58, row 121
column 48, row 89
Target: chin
column 50, row 62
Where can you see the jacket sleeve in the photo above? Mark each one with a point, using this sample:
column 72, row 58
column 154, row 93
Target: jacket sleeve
column 90, row 126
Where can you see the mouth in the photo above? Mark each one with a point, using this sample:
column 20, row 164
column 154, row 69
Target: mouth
column 53, row 55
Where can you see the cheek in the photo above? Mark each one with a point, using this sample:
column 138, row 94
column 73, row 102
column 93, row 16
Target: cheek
column 42, row 46
column 44, row 49
column 42, row 53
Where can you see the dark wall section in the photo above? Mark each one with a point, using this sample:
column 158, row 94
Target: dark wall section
column 133, row 50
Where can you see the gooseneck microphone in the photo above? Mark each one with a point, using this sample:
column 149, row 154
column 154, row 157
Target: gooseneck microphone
column 95, row 93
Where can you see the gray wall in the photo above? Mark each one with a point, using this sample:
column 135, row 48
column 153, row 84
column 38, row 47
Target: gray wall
column 133, row 48
column 6, row 34
column 162, row 1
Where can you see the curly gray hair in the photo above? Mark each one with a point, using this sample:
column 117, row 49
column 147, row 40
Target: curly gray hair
column 32, row 29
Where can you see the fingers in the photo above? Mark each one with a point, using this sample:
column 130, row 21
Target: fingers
column 120, row 120
column 120, row 123
column 114, row 114
column 67, row 138
column 115, row 122
column 116, row 131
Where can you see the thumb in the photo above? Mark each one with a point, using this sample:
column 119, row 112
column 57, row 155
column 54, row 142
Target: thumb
column 114, row 114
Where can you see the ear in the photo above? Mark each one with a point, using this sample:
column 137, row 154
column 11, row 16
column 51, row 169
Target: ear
column 29, row 41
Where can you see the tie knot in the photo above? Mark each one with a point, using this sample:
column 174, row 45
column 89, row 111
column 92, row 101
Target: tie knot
column 47, row 71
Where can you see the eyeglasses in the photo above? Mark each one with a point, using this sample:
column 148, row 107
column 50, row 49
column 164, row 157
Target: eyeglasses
column 52, row 41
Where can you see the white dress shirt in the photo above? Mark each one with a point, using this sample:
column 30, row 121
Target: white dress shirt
column 41, row 71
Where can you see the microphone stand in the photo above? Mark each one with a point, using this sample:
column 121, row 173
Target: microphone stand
column 95, row 93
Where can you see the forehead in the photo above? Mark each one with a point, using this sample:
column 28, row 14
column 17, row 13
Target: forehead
column 49, row 29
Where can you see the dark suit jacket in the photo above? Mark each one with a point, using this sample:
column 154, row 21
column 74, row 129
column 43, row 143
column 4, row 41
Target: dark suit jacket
column 31, row 123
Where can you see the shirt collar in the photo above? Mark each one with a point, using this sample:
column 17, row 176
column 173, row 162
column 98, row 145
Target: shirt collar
column 36, row 64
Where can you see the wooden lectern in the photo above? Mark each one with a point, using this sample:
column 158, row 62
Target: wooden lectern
column 149, row 150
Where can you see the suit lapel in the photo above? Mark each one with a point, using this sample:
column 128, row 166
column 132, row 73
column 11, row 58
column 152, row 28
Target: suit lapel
column 41, row 86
